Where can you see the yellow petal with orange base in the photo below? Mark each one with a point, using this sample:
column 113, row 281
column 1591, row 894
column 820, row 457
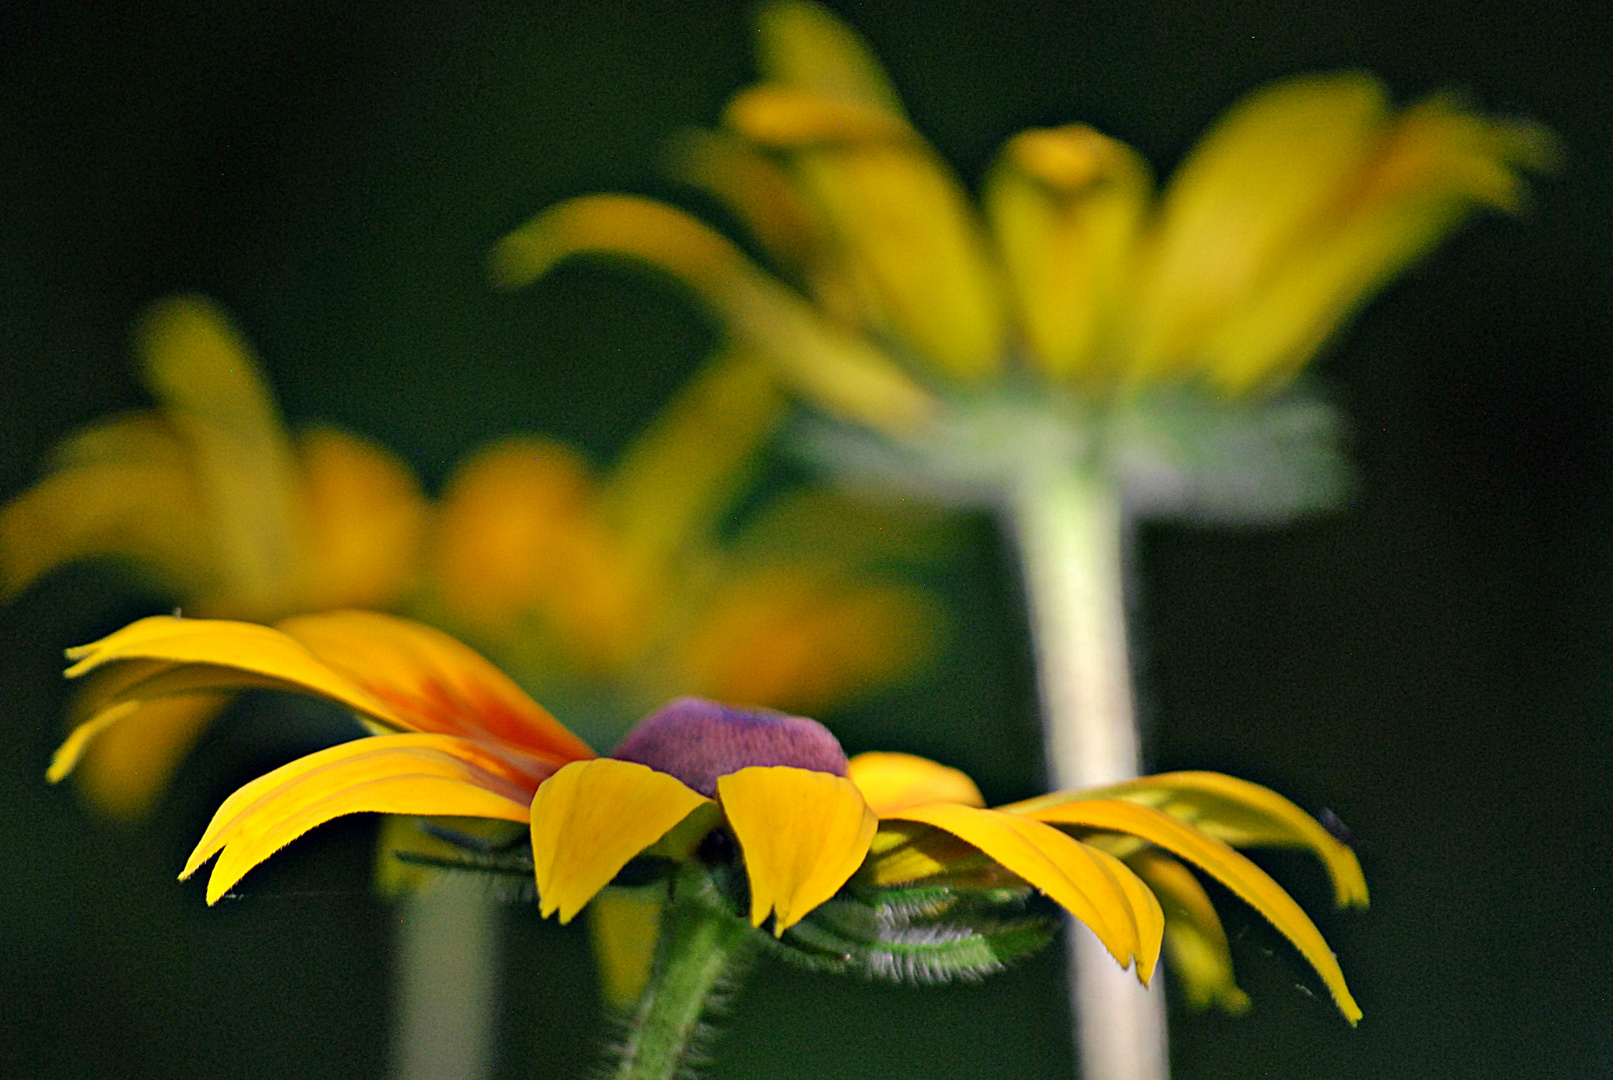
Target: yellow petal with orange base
column 892, row 782
column 245, row 647
column 1200, row 959
column 1077, row 876
column 803, row 834
column 426, row 775
column 591, row 818
column 1234, row 871
column 433, row 682
column 839, row 369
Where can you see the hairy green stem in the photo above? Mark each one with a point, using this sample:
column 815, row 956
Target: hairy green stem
column 700, row 943
column 1067, row 522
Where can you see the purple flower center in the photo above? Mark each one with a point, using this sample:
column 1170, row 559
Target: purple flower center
column 697, row 741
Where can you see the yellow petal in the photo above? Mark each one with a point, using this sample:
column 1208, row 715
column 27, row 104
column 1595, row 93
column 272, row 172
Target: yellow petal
column 803, row 834
column 362, row 519
column 803, row 45
column 892, row 782
column 1236, row 811
column 1433, row 166
column 425, row 775
column 1077, row 876
column 592, row 817
column 1225, row 865
column 1200, row 959
column 244, row 647
column 1065, row 206
column 124, row 489
column 899, row 218
column 1265, row 172
column 839, row 370
column 202, row 370
column 669, row 490
column 431, row 682
column 756, row 188
column 624, row 926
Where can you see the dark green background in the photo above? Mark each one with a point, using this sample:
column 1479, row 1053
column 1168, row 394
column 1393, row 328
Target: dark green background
column 1430, row 662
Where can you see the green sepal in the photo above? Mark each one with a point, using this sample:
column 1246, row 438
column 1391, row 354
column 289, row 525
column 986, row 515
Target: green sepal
column 924, row 933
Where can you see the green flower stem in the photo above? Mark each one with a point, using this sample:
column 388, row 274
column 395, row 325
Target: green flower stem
column 700, row 942
column 1068, row 524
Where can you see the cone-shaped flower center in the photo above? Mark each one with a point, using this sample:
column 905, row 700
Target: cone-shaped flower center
column 698, row 741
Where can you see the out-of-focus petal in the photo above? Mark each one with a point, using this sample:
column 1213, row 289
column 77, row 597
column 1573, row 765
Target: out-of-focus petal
column 892, row 782
column 1234, row 871
column 204, row 373
column 803, row 45
column 897, row 217
column 624, row 927
column 753, row 186
column 1065, row 205
column 592, row 817
column 1434, row 166
column 803, row 834
column 673, row 484
column 134, row 756
column 425, row 775
column 124, row 489
column 1235, row 811
column 1195, row 943
column 797, row 638
column 363, row 517
column 836, row 368
column 519, row 545
column 1077, row 876
column 435, row 683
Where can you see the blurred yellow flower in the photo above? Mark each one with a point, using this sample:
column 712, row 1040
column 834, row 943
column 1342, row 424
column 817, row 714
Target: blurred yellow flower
column 615, row 592
column 1298, row 205
column 454, row 736
column 209, row 498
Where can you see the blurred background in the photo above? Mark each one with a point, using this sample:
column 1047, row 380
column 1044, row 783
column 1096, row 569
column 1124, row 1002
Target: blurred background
column 1430, row 663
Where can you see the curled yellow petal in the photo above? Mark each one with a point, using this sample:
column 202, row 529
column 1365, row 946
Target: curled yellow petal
column 801, row 44
column 1236, row 811
column 592, row 817
column 1195, row 943
column 786, row 117
column 831, row 365
column 1237, row 873
column 803, row 834
column 131, row 761
column 1065, row 205
column 425, row 775
column 892, row 782
column 1080, row 878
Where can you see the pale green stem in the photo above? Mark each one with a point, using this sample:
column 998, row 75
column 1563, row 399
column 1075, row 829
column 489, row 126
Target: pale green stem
column 1067, row 522
column 699, row 944
column 445, row 984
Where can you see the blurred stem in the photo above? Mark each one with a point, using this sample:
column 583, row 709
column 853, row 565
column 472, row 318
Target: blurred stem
column 446, row 982
column 700, row 943
column 1067, row 522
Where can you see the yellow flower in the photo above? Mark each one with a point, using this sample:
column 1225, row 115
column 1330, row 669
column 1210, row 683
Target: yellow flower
column 615, row 592
column 455, row 737
column 1073, row 281
column 211, row 499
